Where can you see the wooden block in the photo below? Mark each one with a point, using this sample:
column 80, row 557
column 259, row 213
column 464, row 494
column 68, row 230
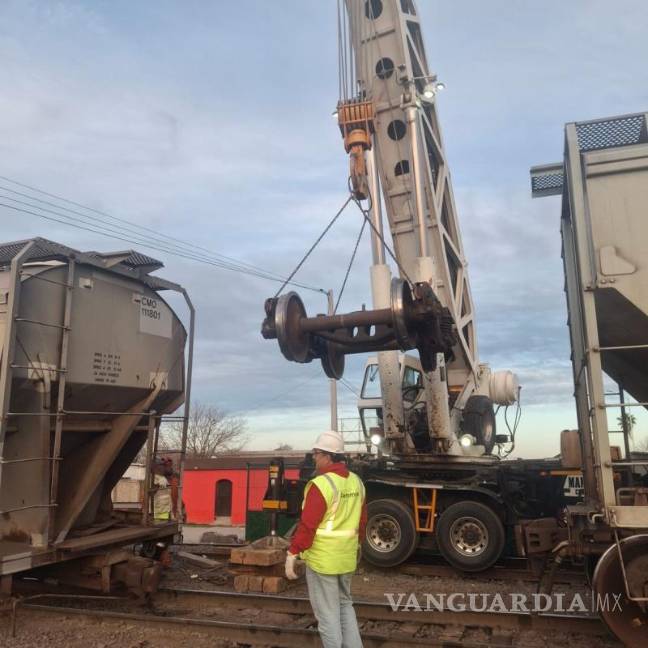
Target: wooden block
column 261, row 557
column 237, row 556
column 265, row 557
column 255, row 583
column 274, row 584
column 271, row 570
column 241, row 583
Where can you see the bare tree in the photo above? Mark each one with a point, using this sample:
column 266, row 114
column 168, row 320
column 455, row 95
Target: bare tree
column 211, row 431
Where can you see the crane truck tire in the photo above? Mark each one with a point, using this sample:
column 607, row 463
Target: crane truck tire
column 470, row 536
column 391, row 536
column 479, row 421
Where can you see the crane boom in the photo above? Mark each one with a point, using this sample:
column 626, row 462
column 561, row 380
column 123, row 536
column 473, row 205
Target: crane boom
column 392, row 72
column 388, row 120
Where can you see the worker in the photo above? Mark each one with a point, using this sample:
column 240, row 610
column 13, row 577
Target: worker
column 334, row 517
column 165, row 498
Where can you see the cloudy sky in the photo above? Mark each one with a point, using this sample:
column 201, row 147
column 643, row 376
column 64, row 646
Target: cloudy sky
column 211, row 122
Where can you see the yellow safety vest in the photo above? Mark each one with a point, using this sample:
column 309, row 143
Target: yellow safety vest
column 162, row 499
column 335, row 546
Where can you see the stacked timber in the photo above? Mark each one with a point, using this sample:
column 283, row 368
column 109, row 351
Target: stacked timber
column 260, row 567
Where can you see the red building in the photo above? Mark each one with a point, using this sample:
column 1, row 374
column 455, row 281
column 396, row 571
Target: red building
column 218, row 490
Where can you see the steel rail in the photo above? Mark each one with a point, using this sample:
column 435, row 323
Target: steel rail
column 373, row 611
column 511, row 569
column 253, row 633
column 414, row 622
column 497, row 572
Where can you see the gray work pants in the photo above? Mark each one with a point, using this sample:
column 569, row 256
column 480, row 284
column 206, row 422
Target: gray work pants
column 330, row 597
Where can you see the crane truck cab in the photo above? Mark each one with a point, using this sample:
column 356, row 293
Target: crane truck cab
column 370, row 405
column 422, row 500
column 478, row 435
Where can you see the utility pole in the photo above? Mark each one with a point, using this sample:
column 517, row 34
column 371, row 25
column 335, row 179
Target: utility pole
column 332, row 383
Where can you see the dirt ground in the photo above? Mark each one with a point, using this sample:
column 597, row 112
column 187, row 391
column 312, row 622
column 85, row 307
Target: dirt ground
column 38, row 631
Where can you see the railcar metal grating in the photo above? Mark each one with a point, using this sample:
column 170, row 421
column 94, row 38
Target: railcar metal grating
column 45, row 250
column 547, row 182
column 621, row 131
column 134, row 264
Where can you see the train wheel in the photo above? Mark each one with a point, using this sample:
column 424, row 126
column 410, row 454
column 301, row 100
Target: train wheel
column 391, row 535
column 470, row 536
column 626, row 619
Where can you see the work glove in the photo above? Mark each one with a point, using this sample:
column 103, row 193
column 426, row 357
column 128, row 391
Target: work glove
column 290, row 566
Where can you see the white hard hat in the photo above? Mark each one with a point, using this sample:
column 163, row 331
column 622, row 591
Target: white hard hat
column 330, row 441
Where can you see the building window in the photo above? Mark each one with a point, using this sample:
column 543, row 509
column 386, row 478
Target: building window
column 223, row 499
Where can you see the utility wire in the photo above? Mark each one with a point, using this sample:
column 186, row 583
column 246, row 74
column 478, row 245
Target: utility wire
column 154, row 247
column 130, row 232
column 349, row 387
column 131, row 225
column 163, row 240
column 138, row 239
column 281, row 394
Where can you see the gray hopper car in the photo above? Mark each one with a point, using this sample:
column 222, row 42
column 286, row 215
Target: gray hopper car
column 92, row 357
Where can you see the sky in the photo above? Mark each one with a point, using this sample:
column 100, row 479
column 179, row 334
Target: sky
column 211, row 122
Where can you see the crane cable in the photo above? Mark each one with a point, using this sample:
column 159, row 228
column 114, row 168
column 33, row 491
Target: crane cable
column 346, row 276
column 312, row 247
column 367, row 217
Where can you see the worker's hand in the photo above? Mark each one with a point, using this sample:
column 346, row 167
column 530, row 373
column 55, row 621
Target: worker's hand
column 290, row 566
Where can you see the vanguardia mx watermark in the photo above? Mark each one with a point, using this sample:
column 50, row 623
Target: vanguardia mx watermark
column 514, row 602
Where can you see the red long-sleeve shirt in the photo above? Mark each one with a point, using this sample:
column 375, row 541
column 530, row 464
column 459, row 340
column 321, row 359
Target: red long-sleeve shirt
column 314, row 511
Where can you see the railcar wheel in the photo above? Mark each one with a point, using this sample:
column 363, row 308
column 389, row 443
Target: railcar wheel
column 294, row 344
column 626, row 619
column 391, row 535
column 470, row 536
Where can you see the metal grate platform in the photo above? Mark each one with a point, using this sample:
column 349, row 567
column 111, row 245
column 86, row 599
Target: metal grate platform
column 127, row 262
column 609, row 133
column 547, row 180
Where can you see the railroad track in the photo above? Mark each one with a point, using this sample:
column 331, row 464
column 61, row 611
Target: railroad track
column 381, row 625
column 507, row 569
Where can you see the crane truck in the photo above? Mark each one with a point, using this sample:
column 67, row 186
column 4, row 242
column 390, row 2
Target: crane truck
column 438, row 479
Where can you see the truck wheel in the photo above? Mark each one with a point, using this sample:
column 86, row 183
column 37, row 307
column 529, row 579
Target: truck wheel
column 391, row 535
column 479, row 421
column 470, row 536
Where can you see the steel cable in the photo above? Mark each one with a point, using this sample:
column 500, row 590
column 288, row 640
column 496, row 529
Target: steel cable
column 312, row 247
column 346, row 276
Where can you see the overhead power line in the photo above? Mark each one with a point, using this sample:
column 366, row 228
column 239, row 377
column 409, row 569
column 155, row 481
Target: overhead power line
column 130, row 225
column 105, row 224
column 148, row 245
